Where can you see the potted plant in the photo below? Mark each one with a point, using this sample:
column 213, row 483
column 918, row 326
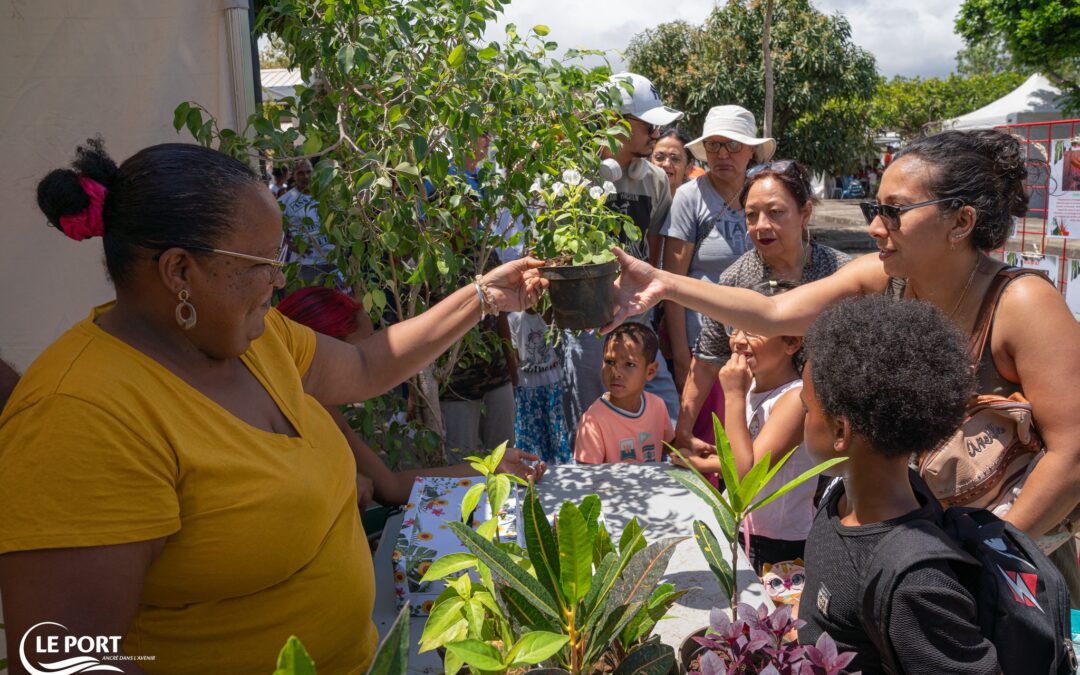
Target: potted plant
column 574, row 234
column 755, row 643
column 571, row 598
column 743, row 497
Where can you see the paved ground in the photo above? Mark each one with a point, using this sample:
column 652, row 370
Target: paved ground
column 839, row 223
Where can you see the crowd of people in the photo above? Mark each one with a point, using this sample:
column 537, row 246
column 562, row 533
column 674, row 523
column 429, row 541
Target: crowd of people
column 176, row 469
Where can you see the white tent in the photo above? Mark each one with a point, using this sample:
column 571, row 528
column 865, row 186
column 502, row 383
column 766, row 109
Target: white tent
column 278, row 83
column 1036, row 100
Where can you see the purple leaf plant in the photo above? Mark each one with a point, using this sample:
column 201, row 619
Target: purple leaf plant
column 754, row 645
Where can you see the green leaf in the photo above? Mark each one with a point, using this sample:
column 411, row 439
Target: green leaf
column 313, row 143
column 452, row 665
column 541, row 30
column 727, row 465
column 575, row 554
column 194, row 121
column 601, row 544
column 714, row 555
column 474, row 614
column 798, row 480
column 470, row 500
column 522, row 611
column 294, row 659
column 496, row 457
column 407, row 168
column 498, row 491
column 392, row 657
column 506, row 569
column 755, row 479
column 477, row 654
column 438, row 166
column 652, row 658
column 448, row 564
column 604, row 578
column 420, row 147
column 487, row 53
column 632, row 539
column 613, row 624
column 534, row 647
column 457, row 56
column 442, row 617
column 540, row 542
column 643, row 572
column 696, row 483
column 180, row 116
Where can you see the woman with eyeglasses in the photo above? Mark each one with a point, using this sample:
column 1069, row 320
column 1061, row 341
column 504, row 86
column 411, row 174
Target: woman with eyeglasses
column 168, row 470
column 945, row 202
column 778, row 201
column 671, row 155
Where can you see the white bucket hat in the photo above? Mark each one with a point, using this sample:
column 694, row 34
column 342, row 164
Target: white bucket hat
column 736, row 123
column 644, row 102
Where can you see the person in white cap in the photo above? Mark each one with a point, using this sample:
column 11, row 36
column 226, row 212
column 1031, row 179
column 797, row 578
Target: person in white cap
column 706, row 230
column 641, row 192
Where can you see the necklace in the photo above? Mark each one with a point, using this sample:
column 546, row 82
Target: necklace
column 963, row 294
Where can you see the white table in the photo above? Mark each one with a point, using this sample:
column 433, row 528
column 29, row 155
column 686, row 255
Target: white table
column 663, row 507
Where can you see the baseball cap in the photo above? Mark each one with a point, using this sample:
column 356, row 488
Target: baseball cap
column 644, row 102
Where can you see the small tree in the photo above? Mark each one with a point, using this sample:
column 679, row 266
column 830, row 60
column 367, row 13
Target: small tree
column 401, row 92
column 822, row 80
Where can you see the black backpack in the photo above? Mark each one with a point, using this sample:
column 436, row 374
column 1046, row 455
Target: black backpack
column 1022, row 599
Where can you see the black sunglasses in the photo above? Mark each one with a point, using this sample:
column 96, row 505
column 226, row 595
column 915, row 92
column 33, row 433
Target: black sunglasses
column 650, row 129
column 890, row 213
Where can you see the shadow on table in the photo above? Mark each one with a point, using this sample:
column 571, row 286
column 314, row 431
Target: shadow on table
column 705, row 589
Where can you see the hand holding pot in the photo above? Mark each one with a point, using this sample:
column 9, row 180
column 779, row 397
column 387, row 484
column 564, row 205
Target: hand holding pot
column 637, row 289
column 516, row 285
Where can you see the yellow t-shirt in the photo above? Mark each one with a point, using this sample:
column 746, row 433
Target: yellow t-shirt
column 100, row 445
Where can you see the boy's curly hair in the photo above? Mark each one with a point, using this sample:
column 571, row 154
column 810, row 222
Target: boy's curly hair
column 898, row 371
column 637, row 333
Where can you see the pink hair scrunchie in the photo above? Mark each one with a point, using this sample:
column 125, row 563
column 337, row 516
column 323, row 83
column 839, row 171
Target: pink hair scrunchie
column 89, row 222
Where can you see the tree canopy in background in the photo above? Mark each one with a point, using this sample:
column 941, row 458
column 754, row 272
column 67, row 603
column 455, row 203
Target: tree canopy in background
column 823, row 80
column 911, row 106
column 1040, row 34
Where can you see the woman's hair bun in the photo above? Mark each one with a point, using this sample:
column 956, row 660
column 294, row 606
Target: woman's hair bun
column 59, row 193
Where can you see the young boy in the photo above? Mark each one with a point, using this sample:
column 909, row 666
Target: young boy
column 626, row 424
column 884, row 379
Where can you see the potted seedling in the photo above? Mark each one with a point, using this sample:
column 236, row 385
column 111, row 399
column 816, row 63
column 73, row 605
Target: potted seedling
column 743, row 496
column 571, row 599
column 573, row 234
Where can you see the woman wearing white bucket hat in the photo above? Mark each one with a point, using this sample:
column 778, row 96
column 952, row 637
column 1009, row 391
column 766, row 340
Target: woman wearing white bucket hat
column 706, row 230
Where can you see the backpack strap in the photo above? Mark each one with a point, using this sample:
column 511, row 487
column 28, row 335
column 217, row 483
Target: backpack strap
column 907, row 545
column 985, row 319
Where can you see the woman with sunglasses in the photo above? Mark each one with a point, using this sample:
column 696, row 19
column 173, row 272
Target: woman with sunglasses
column 945, row 202
column 168, row 470
column 778, row 201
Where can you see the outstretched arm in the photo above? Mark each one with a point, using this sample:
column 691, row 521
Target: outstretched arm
column 342, row 373
column 641, row 286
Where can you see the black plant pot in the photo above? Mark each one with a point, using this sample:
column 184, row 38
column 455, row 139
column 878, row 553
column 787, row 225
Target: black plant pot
column 689, row 649
column 582, row 296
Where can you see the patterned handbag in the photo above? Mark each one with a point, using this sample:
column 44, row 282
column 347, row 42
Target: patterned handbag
column 986, row 462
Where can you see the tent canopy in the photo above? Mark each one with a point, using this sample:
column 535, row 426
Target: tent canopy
column 1036, row 100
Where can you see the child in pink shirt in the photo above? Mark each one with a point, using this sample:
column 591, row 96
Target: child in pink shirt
column 626, row 424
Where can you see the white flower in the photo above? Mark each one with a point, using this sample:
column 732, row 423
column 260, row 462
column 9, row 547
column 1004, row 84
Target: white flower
column 596, row 192
column 535, row 188
column 609, row 187
column 571, row 176
column 557, row 188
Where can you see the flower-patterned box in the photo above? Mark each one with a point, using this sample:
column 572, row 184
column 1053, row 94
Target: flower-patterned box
column 425, row 536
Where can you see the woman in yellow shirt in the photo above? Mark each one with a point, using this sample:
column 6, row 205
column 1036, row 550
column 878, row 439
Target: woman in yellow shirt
column 169, row 474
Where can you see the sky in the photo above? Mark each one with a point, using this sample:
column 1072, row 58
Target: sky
column 907, row 37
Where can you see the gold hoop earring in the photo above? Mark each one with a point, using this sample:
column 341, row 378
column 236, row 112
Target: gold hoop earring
column 185, row 311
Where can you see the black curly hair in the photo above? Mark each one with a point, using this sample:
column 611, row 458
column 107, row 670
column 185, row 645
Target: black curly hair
column 898, row 371
column 984, row 169
column 638, row 333
column 680, row 136
column 173, row 194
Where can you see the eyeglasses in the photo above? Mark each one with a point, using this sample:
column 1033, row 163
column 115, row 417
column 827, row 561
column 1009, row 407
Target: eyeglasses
column 714, row 146
column 780, row 166
column 890, row 213
column 732, row 330
column 664, row 157
column 650, row 129
column 275, row 263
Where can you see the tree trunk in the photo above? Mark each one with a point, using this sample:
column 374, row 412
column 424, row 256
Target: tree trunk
column 767, row 51
column 427, row 400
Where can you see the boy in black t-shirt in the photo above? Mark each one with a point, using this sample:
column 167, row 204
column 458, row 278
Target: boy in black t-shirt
column 885, row 379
